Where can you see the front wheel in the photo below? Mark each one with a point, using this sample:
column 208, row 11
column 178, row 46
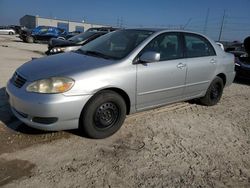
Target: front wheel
column 11, row 33
column 213, row 93
column 103, row 115
column 29, row 39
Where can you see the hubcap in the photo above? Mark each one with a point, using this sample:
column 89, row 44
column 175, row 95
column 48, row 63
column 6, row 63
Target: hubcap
column 106, row 115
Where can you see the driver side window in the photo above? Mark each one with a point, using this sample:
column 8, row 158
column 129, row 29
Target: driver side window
column 167, row 44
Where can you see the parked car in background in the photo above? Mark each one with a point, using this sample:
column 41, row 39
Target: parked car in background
column 237, row 46
column 7, row 30
column 72, row 33
column 17, row 28
column 220, row 45
column 242, row 67
column 42, row 34
column 119, row 73
column 242, row 60
column 103, row 29
column 56, row 46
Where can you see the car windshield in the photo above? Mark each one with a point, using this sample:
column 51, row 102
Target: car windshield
column 115, row 45
column 81, row 37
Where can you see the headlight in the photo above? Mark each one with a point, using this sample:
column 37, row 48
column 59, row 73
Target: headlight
column 237, row 64
column 51, row 85
column 64, row 49
column 56, row 50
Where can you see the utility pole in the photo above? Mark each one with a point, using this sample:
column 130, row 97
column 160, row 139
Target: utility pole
column 222, row 25
column 188, row 22
column 206, row 21
column 121, row 23
column 118, row 22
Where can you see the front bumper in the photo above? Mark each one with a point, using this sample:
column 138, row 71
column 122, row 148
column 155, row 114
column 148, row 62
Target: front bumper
column 51, row 112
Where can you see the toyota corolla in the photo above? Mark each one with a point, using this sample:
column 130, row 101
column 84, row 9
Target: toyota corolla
column 120, row 73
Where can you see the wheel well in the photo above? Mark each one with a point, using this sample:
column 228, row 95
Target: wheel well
column 62, row 38
column 223, row 77
column 122, row 93
column 124, row 96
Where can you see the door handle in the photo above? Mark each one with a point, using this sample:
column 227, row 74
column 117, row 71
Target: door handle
column 213, row 61
column 181, row 66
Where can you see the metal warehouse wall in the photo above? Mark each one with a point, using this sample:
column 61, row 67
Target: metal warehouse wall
column 71, row 25
column 33, row 21
column 46, row 22
column 28, row 21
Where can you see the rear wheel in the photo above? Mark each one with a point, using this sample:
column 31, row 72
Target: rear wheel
column 29, row 39
column 213, row 93
column 11, row 33
column 103, row 115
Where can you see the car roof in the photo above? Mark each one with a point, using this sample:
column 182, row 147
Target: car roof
column 109, row 29
column 163, row 30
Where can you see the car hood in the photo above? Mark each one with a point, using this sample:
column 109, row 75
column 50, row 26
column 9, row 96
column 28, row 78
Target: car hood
column 65, row 64
column 60, row 43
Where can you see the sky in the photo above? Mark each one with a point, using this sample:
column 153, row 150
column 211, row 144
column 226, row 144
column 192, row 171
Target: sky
column 204, row 16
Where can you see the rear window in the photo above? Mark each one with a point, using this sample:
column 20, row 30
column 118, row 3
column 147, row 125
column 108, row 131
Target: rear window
column 197, row 46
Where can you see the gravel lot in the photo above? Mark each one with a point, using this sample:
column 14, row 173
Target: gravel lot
column 181, row 145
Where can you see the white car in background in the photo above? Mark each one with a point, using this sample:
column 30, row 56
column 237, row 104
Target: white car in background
column 7, row 31
column 220, row 45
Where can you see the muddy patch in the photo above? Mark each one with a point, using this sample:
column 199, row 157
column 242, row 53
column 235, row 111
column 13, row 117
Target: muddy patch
column 14, row 170
column 23, row 136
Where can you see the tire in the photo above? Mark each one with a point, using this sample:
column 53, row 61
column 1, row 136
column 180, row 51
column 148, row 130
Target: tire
column 214, row 92
column 103, row 115
column 11, row 33
column 29, row 39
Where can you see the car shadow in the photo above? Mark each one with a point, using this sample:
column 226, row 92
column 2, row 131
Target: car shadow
column 16, row 40
column 77, row 132
column 242, row 81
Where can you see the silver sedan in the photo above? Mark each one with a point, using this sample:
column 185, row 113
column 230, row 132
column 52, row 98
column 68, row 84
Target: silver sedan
column 7, row 31
column 120, row 73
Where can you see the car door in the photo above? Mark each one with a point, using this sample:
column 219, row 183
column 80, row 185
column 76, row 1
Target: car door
column 3, row 30
column 201, row 61
column 161, row 82
column 42, row 34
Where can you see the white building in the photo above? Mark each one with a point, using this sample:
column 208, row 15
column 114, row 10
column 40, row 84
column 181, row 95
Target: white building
column 31, row 22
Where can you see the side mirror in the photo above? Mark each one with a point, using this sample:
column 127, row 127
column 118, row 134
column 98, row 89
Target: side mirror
column 150, row 57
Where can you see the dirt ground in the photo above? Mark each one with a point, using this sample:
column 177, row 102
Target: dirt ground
column 181, row 145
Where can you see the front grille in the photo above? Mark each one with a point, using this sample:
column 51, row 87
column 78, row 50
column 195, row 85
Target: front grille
column 44, row 120
column 18, row 80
